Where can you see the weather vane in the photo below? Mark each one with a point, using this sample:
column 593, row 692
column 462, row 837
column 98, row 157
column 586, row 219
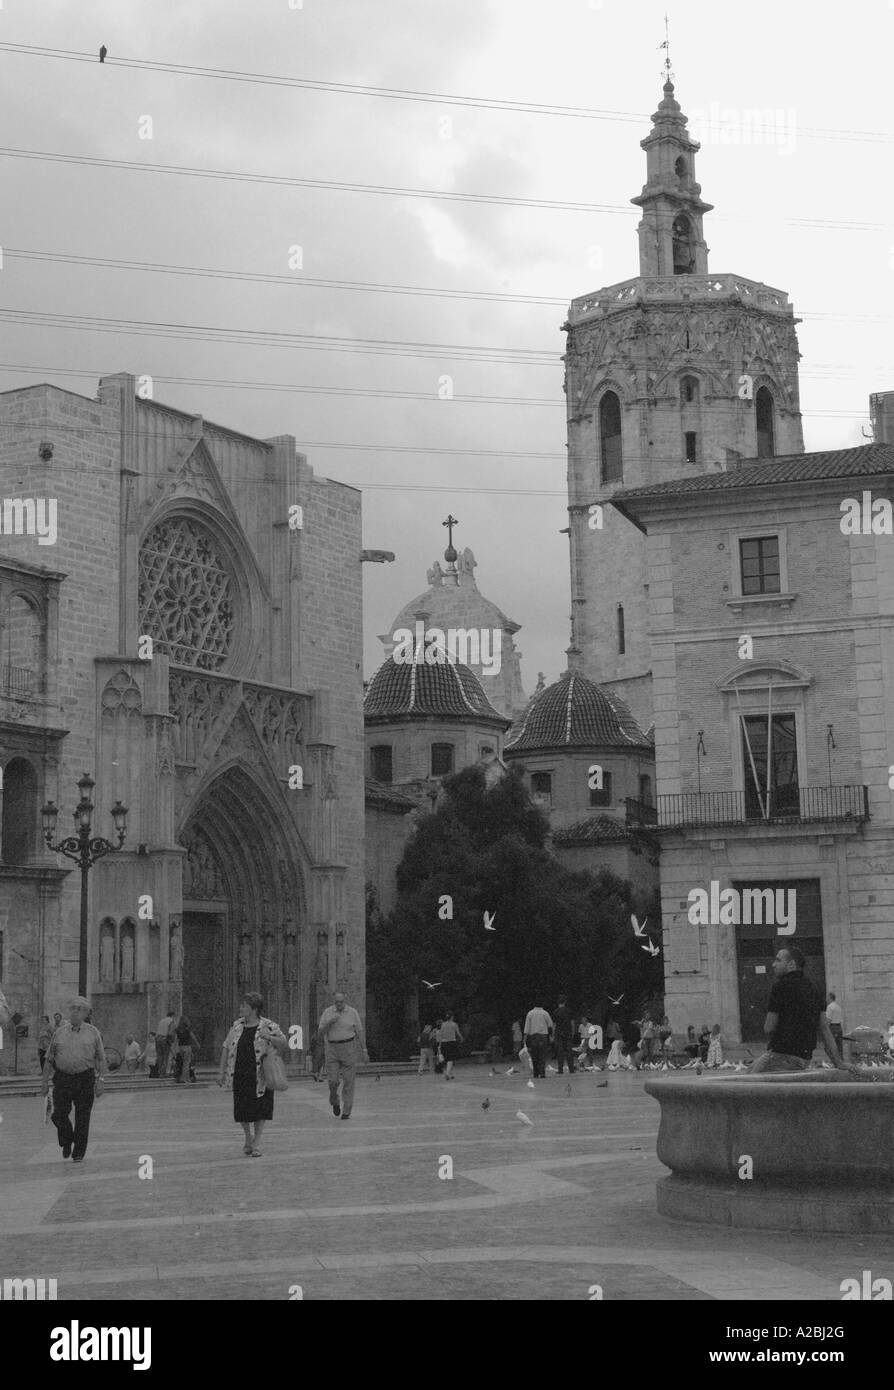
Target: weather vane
column 666, row 46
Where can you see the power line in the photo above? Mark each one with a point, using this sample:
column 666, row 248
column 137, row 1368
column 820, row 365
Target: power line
column 239, row 176
column 405, row 94
column 380, row 347
column 228, row 384
column 302, row 281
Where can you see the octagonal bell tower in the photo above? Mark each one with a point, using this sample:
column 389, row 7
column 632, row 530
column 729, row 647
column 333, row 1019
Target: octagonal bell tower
column 676, row 372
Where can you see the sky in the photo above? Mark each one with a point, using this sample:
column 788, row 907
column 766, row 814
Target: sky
column 803, row 202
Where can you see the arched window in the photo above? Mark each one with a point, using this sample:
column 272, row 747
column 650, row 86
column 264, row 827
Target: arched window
column 610, row 438
column 684, row 252
column 680, row 168
column 766, row 430
column 19, row 811
column 22, row 664
column 689, row 390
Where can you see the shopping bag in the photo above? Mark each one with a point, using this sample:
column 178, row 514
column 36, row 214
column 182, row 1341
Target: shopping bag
column 274, row 1071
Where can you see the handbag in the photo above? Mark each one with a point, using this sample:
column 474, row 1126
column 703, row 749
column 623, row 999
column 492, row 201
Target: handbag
column 274, row 1071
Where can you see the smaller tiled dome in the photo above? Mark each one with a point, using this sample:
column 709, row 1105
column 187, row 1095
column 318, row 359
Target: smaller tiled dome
column 445, row 689
column 576, row 713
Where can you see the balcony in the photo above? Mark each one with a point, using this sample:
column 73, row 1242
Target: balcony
column 707, row 810
column 18, row 681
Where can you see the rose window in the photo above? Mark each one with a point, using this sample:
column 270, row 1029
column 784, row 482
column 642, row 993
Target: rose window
column 187, row 594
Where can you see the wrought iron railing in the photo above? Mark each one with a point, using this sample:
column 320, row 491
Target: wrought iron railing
column 801, row 805
column 18, row 680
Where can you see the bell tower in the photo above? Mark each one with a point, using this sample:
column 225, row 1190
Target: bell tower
column 673, row 373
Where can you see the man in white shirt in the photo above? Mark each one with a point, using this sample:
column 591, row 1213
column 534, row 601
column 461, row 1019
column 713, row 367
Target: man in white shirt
column 538, row 1026
column 835, row 1020
column 163, row 1042
column 342, row 1032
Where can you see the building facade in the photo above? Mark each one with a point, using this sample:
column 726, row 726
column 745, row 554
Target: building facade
column 192, row 638
column 772, row 615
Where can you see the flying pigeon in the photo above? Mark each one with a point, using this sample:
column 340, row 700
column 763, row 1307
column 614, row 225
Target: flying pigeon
column 531, row 1085
column 488, row 919
column 652, row 950
column 511, row 1071
column 485, row 1104
column 102, row 53
column 428, row 984
column 520, row 1115
column 637, row 929
column 615, row 1001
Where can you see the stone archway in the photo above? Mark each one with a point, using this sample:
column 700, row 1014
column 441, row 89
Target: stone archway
column 243, row 897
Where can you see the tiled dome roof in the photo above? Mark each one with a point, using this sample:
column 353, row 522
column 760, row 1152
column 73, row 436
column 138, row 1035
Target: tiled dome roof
column 592, row 830
column 576, row 713
column 402, row 689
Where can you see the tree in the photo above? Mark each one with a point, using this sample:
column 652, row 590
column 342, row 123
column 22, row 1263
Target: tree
column 556, row 931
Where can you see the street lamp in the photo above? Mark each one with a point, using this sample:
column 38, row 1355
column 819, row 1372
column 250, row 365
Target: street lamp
column 84, row 851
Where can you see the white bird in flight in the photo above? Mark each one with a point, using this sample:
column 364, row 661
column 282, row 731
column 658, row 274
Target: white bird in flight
column 637, row 929
column 488, row 918
column 652, row 950
column 428, row 984
column 615, row 1001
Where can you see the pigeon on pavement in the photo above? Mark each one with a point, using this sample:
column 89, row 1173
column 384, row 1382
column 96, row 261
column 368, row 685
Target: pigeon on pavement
column 531, row 1086
column 520, row 1115
column 485, row 1104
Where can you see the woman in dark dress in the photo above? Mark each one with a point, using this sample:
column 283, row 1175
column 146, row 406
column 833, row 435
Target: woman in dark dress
column 241, row 1066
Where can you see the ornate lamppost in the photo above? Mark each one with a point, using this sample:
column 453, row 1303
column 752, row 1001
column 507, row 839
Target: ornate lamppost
column 84, row 850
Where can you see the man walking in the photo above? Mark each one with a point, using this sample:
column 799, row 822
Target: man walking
column 426, row 1051
column 342, row 1033
column 794, row 1017
column 564, row 1035
column 163, row 1041
column 538, row 1026
column 75, row 1061
column 835, row 1020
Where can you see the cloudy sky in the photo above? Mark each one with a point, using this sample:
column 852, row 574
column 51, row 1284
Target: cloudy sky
column 805, row 206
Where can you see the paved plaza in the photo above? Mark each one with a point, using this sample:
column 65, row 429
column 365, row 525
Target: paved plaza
column 357, row 1210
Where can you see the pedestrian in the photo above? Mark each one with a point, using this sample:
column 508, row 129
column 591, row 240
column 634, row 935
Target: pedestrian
column 343, row 1034
column 163, row 1039
column 715, row 1048
column 186, row 1041
column 133, row 1054
column 246, row 1045
column 449, row 1038
column 704, row 1042
column 835, row 1020
column 152, row 1055
column 563, row 1032
column 43, row 1039
column 630, row 1049
column 794, row 1018
column 647, row 1039
column 76, row 1064
column 538, row 1026
column 692, row 1047
column 318, row 1056
column 426, row 1051
column 665, row 1037
column 518, row 1039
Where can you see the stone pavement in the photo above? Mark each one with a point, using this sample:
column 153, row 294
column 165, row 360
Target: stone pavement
column 357, row 1210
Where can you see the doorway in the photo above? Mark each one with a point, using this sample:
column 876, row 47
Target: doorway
column 757, row 944
column 204, row 1000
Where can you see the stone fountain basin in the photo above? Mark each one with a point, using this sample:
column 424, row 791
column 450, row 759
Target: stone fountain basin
column 821, row 1145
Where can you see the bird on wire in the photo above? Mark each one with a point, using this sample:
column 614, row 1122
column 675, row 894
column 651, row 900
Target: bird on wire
column 102, row 53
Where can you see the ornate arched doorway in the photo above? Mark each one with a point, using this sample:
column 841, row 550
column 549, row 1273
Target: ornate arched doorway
column 243, row 908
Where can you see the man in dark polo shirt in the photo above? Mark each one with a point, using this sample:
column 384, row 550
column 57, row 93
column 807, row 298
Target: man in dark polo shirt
column 795, row 1017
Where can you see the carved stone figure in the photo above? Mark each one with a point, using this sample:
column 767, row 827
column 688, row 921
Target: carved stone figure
column 268, row 962
column 127, row 957
column 290, row 958
column 435, row 575
column 467, row 564
column 243, row 961
column 107, row 956
column 175, row 951
column 321, row 964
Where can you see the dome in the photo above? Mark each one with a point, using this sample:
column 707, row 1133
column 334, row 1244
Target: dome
column 576, row 713
column 415, row 689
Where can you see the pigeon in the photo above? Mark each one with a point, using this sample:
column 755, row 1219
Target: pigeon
column 491, row 1072
column 511, row 1071
column 554, row 1070
column 485, row 1104
column 520, row 1115
column 428, row 984
column 102, row 53
column 601, row 1083
column 568, row 1091
column 615, row 1001
column 488, row 919
column 378, row 1078
column 637, row 929
column 531, row 1085
column 652, row 950
column 740, row 1066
